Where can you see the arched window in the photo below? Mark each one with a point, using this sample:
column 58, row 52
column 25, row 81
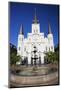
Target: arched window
column 25, row 49
column 52, row 47
column 19, row 48
column 49, row 48
column 46, row 48
column 34, row 30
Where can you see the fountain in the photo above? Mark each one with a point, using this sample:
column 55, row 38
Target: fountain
column 35, row 74
column 35, row 69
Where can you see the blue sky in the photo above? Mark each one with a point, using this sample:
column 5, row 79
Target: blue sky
column 22, row 13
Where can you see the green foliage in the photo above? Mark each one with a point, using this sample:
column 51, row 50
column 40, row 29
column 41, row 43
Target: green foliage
column 13, row 55
column 14, row 58
column 13, row 49
column 57, row 48
column 52, row 57
column 56, row 53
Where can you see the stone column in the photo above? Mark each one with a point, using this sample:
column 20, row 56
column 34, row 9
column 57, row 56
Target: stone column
column 39, row 60
column 29, row 58
column 42, row 58
column 31, row 61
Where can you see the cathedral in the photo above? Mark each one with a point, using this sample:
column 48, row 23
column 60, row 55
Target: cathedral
column 34, row 47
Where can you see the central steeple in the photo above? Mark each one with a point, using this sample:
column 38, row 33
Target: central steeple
column 35, row 18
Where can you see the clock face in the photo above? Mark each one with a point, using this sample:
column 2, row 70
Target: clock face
column 21, row 39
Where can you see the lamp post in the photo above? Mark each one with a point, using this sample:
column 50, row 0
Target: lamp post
column 35, row 56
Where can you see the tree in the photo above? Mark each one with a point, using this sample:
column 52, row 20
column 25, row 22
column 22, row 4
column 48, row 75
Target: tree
column 57, row 53
column 52, row 57
column 14, row 58
column 56, row 57
column 13, row 49
column 13, row 55
column 48, row 56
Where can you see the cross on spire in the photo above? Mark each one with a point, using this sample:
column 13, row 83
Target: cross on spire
column 35, row 15
column 35, row 18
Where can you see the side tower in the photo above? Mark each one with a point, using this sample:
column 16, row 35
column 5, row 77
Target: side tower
column 20, row 47
column 50, row 39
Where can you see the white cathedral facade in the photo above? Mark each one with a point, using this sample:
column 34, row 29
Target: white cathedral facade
column 36, row 44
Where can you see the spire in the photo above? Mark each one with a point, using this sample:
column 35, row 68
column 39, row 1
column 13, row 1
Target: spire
column 21, row 29
column 49, row 29
column 35, row 18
